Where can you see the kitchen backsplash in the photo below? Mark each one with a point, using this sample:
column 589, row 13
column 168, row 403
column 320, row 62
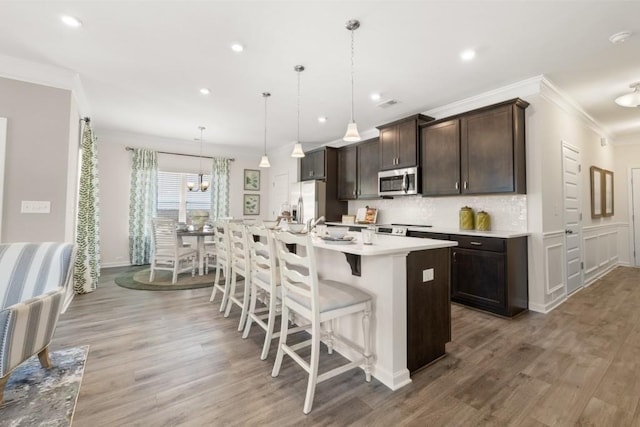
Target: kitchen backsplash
column 508, row 213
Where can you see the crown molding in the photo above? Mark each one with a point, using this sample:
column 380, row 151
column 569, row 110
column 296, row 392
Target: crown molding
column 562, row 100
column 45, row 75
column 521, row 89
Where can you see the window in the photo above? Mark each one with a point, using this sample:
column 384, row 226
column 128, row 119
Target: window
column 175, row 201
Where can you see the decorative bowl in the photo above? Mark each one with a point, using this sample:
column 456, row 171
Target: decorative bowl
column 295, row 227
column 337, row 232
column 270, row 224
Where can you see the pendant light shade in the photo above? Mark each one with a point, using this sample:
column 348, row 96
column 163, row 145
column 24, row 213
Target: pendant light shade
column 352, row 134
column 202, row 184
column 264, row 162
column 297, row 148
column 631, row 99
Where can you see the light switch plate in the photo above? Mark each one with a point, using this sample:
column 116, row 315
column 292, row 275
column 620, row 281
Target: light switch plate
column 36, row 206
column 427, row 275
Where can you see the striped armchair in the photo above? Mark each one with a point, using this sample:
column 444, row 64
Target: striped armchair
column 33, row 280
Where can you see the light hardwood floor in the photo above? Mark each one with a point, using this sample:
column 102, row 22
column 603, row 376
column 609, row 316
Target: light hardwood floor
column 170, row 358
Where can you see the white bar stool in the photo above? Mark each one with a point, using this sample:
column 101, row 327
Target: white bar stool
column 223, row 261
column 240, row 265
column 318, row 301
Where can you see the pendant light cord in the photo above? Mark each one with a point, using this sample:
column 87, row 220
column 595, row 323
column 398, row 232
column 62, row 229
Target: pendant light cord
column 265, row 95
column 200, row 157
column 352, row 72
column 298, row 140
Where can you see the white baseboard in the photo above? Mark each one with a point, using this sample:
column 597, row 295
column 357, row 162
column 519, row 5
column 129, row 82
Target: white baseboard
column 115, row 264
column 546, row 308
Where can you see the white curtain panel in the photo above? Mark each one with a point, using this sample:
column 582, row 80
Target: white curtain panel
column 142, row 204
column 220, row 188
column 87, row 264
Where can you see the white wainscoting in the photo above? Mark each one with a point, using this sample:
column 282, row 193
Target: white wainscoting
column 554, row 271
column 600, row 250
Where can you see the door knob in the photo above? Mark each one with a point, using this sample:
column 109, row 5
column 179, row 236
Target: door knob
column 567, row 231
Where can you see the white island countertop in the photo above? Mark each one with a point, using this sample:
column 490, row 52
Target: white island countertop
column 502, row 234
column 383, row 245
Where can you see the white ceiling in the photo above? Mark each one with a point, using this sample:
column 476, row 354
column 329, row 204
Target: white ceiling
column 142, row 63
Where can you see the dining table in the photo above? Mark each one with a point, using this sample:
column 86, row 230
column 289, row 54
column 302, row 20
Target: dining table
column 200, row 235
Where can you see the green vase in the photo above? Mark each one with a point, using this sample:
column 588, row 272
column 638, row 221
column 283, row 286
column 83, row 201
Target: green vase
column 483, row 221
column 466, row 218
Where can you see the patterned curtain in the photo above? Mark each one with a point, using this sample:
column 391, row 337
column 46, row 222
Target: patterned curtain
column 142, row 204
column 220, row 188
column 87, row 264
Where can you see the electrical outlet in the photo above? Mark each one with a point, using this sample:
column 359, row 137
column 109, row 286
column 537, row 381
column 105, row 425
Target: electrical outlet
column 36, row 206
column 427, row 275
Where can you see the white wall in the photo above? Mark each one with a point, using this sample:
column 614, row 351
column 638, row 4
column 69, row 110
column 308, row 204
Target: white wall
column 115, row 183
column 38, row 166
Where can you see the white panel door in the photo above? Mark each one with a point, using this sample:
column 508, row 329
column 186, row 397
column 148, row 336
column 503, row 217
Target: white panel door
column 635, row 194
column 572, row 217
column 279, row 195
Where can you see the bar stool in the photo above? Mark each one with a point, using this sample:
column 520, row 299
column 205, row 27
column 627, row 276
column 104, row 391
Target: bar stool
column 264, row 279
column 240, row 265
column 318, row 301
column 223, row 261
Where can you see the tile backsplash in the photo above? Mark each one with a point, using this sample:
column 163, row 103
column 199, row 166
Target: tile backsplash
column 508, row 213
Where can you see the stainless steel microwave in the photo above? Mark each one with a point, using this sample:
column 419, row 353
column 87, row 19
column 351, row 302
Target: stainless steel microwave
column 398, row 182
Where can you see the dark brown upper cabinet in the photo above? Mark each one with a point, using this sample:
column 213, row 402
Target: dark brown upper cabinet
column 358, row 171
column 399, row 142
column 313, row 165
column 490, row 147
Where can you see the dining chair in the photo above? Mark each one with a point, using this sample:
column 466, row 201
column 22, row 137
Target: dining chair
column 168, row 252
column 318, row 301
column 240, row 266
column 223, row 261
column 265, row 279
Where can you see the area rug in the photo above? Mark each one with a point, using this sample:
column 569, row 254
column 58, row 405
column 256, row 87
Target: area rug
column 139, row 279
column 35, row 396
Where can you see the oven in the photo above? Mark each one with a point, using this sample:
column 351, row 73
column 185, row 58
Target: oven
column 398, row 182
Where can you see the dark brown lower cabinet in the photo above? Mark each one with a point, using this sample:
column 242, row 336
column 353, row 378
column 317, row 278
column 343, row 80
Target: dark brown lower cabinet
column 428, row 307
column 490, row 274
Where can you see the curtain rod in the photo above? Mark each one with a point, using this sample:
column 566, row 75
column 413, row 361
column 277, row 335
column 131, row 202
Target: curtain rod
column 179, row 154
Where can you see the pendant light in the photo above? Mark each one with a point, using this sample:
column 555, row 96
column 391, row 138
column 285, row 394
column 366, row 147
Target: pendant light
column 297, row 148
column 202, row 184
column 631, row 99
column 352, row 134
column 264, row 162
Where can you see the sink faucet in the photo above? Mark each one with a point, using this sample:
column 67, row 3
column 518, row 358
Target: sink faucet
column 313, row 222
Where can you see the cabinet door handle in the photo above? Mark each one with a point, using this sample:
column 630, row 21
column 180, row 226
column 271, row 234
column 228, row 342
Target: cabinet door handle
column 465, row 185
column 310, row 173
column 354, row 192
column 475, row 243
column 457, row 185
column 454, row 256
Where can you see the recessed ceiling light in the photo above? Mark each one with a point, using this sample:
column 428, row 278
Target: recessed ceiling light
column 467, row 55
column 71, row 21
column 620, row 37
column 205, row 91
column 375, row 97
column 322, row 119
column 237, row 47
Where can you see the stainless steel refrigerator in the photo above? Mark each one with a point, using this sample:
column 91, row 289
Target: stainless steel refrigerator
column 310, row 197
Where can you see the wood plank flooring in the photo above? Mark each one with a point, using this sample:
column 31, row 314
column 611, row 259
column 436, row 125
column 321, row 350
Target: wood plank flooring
column 171, row 359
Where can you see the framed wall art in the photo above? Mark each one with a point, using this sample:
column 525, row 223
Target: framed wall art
column 251, row 179
column 607, row 193
column 596, row 192
column 251, row 204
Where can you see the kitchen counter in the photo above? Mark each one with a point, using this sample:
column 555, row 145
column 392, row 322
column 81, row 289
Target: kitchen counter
column 383, row 245
column 408, row 279
column 504, row 234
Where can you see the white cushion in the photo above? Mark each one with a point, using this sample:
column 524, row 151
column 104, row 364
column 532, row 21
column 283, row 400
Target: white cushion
column 333, row 295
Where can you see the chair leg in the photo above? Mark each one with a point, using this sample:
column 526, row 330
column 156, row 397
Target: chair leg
column 245, row 300
column 43, row 356
column 252, row 310
column 329, row 336
column 193, row 267
column 3, row 382
column 174, row 278
column 284, row 328
column 366, row 329
column 215, row 283
column 152, row 274
column 313, row 367
column 273, row 301
column 227, row 285
column 231, row 293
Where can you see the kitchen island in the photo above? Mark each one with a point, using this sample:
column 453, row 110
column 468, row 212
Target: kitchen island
column 409, row 281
